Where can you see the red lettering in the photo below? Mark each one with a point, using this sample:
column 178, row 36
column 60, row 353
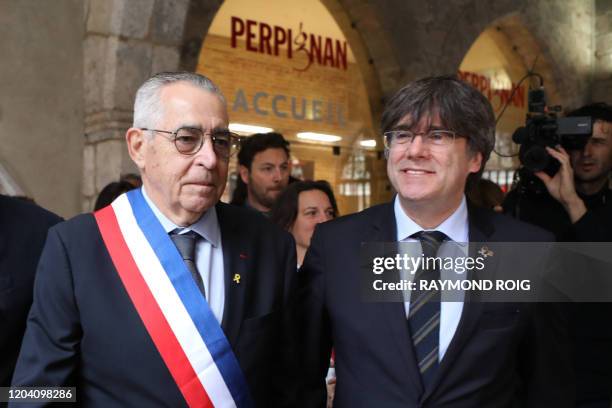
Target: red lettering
column 483, row 83
column 237, row 30
column 250, row 35
column 328, row 54
column 265, row 33
column 475, row 80
column 505, row 96
column 315, row 48
column 520, row 97
column 341, row 54
column 280, row 37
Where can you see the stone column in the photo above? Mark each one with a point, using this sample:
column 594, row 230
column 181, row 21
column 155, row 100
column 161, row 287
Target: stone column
column 125, row 43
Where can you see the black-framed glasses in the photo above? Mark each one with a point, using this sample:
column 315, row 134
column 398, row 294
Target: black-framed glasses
column 189, row 140
column 434, row 137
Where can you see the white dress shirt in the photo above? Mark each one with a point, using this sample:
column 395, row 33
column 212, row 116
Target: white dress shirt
column 455, row 227
column 208, row 253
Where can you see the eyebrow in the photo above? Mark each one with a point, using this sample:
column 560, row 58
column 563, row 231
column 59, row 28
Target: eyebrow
column 409, row 127
column 215, row 129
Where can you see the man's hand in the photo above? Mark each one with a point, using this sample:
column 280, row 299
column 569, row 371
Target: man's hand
column 561, row 185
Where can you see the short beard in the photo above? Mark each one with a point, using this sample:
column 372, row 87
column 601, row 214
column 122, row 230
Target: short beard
column 261, row 198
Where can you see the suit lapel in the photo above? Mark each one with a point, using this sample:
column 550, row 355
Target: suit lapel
column 480, row 230
column 384, row 229
column 235, row 269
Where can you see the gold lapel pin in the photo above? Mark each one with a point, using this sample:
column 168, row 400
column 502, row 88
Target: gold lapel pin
column 485, row 252
column 237, row 278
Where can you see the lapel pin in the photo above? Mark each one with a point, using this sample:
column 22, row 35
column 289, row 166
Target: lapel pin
column 243, row 256
column 236, row 278
column 485, row 252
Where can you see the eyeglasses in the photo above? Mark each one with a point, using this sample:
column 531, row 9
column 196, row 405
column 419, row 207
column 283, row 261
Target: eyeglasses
column 431, row 138
column 189, row 141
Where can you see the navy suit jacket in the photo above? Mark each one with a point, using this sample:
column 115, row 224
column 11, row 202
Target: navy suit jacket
column 84, row 331
column 501, row 354
column 23, row 229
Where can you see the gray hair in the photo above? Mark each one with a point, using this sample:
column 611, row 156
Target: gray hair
column 460, row 107
column 148, row 110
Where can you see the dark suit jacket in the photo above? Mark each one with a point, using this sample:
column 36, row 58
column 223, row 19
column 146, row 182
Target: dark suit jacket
column 84, row 331
column 498, row 351
column 23, row 229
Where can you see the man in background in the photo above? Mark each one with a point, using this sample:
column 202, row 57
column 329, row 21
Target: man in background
column 577, row 203
column 264, row 171
column 577, row 206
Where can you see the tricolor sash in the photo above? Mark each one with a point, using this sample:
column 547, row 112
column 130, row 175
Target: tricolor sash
column 175, row 314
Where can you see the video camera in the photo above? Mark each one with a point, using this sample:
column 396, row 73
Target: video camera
column 543, row 128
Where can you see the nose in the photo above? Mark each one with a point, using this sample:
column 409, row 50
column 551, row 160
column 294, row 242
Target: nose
column 322, row 217
column 416, row 147
column 277, row 175
column 207, row 157
column 588, row 149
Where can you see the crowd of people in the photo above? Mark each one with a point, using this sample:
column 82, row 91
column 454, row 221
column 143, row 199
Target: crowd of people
column 166, row 296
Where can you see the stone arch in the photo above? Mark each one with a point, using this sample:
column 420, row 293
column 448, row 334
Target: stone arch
column 359, row 23
column 126, row 41
column 536, row 30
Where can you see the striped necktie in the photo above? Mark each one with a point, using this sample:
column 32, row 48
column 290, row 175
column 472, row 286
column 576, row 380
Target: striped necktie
column 424, row 313
column 185, row 243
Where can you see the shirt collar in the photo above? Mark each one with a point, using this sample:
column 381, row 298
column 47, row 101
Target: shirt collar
column 207, row 226
column 455, row 226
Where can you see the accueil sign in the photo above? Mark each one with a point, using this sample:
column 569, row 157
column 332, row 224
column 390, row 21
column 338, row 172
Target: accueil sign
column 289, row 107
column 275, row 40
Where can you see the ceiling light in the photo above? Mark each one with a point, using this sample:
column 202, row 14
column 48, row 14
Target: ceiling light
column 368, row 143
column 242, row 128
column 319, row 137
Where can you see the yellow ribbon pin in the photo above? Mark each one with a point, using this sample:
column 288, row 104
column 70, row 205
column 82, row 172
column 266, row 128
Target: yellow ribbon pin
column 237, row 278
column 486, row 252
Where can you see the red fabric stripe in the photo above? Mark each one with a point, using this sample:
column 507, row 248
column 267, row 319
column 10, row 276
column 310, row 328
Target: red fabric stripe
column 154, row 320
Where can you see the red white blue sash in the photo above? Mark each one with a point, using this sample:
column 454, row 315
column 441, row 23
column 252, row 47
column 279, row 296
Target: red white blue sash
column 175, row 314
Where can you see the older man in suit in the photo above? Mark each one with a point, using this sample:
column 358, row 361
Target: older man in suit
column 167, row 297
column 423, row 351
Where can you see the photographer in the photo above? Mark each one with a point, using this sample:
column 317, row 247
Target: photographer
column 576, row 205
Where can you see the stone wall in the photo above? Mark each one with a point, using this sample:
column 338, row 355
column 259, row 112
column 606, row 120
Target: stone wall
column 62, row 81
column 126, row 41
column 41, row 116
column 602, row 78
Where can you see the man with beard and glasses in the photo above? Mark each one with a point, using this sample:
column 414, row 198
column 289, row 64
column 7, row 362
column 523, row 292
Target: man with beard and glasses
column 264, row 171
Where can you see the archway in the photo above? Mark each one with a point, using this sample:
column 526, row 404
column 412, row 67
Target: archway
column 289, row 68
column 495, row 64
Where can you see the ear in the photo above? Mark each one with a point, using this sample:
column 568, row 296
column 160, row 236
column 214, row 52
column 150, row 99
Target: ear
column 244, row 174
column 136, row 143
column 475, row 162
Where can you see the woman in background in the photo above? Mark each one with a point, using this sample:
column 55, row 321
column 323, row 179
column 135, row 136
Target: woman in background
column 302, row 206
column 299, row 209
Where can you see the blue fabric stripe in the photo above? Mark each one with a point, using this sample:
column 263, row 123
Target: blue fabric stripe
column 194, row 302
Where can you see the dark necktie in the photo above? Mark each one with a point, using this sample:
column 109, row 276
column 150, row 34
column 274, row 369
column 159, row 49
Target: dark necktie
column 424, row 313
column 185, row 243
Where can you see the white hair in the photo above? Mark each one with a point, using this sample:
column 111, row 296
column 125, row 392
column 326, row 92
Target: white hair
column 148, row 110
